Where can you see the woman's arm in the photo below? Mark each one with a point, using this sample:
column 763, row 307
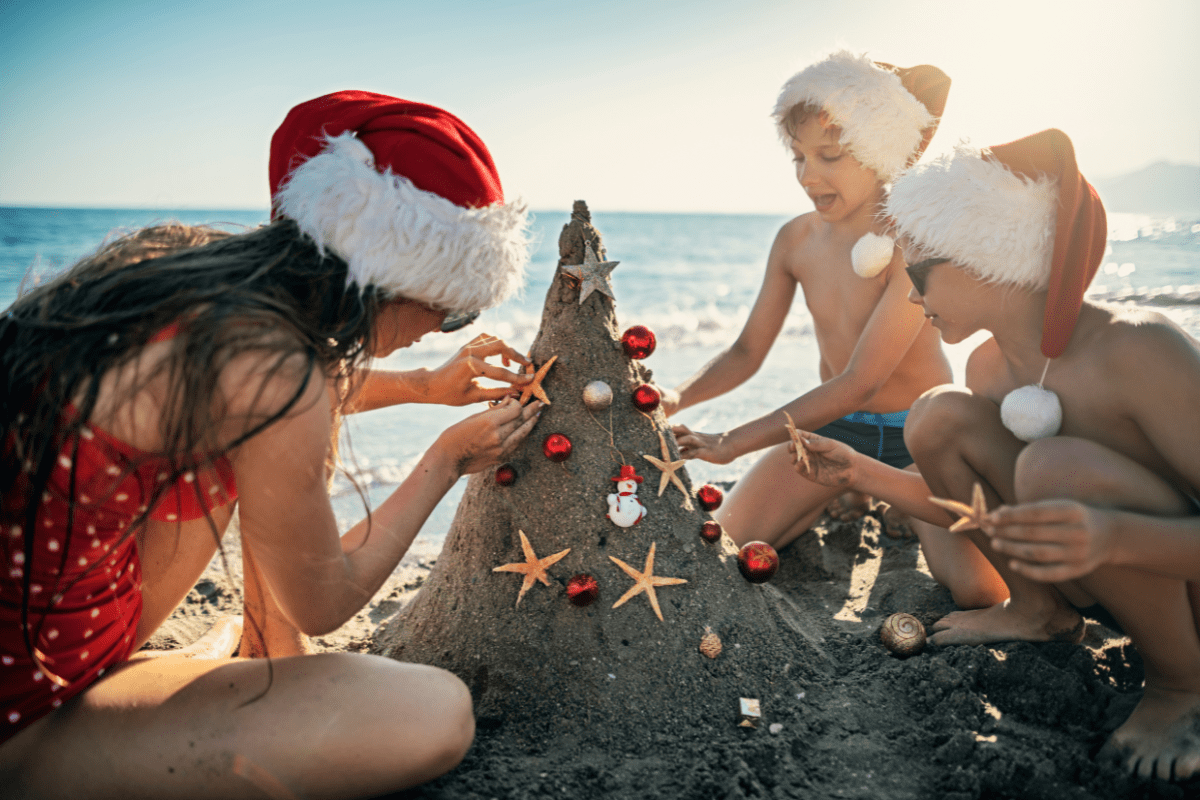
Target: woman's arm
column 319, row 579
column 455, row 383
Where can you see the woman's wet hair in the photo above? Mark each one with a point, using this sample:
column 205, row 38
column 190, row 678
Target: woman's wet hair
column 268, row 294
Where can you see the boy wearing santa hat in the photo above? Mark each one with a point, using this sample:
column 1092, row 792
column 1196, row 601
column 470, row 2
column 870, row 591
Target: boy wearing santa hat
column 1080, row 421
column 852, row 125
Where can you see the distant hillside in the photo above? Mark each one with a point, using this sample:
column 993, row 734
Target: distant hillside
column 1160, row 188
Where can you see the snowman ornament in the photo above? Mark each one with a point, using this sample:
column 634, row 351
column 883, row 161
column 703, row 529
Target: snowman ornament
column 624, row 508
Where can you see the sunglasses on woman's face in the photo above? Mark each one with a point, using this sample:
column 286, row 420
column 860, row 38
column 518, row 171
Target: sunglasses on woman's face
column 455, row 322
column 919, row 271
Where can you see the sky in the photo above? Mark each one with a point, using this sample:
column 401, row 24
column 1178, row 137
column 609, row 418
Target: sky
column 632, row 105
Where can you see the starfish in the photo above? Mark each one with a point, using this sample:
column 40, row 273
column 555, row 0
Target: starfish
column 534, row 568
column 801, row 449
column 592, row 274
column 534, row 387
column 668, row 467
column 646, row 580
column 970, row 516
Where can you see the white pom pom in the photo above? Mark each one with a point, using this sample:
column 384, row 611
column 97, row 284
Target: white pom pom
column 871, row 254
column 1031, row 412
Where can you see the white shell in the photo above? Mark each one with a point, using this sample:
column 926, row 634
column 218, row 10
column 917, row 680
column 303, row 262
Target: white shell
column 871, row 254
column 1031, row 413
column 597, row 395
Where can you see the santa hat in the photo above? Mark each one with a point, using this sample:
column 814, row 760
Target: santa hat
column 887, row 114
column 405, row 193
column 1019, row 214
column 628, row 474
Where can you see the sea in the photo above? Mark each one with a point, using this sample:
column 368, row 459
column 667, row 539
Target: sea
column 690, row 278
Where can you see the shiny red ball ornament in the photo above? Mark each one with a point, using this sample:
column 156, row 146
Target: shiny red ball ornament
column 557, row 447
column 638, row 342
column 711, row 531
column 646, row 398
column 758, row 561
column 506, row 475
column 582, row 590
column 710, row 497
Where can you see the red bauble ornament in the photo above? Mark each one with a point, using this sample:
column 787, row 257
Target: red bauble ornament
column 710, row 497
column 557, row 447
column 582, row 590
column 757, row 561
column 711, row 531
column 506, row 475
column 646, row 398
column 638, row 342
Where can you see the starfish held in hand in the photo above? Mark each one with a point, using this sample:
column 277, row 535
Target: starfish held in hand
column 970, row 516
column 646, row 581
column 533, row 568
column 801, row 449
column 534, row 387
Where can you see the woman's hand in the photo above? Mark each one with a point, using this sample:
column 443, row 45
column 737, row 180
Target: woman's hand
column 456, row 383
column 1052, row 540
column 827, row 462
column 711, row 447
column 484, row 439
column 669, row 402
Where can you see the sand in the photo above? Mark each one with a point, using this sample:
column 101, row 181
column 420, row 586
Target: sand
column 1015, row 720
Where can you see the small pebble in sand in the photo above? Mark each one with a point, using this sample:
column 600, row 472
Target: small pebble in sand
column 776, row 727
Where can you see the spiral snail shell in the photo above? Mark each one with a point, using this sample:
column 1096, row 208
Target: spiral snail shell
column 903, row 635
column 710, row 643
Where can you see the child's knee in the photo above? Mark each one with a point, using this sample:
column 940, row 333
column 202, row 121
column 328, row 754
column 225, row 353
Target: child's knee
column 1060, row 467
column 938, row 418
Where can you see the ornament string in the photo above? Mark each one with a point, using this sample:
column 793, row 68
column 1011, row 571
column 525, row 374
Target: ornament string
column 1042, row 380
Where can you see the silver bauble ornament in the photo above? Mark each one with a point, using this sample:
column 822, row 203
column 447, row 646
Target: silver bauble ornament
column 1031, row 413
column 597, row 395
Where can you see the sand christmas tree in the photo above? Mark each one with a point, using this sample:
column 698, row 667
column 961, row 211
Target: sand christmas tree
column 584, row 580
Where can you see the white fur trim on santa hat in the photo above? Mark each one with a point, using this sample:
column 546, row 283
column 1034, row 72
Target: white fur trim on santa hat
column 406, row 241
column 871, row 254
column 970, row 208
column 881, row 121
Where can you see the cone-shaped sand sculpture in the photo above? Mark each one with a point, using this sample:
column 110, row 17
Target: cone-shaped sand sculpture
column 504, row 606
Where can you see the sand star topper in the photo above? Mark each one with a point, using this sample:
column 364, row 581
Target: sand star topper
column 646, row 581
column 534, row 568
column 970, row 516
column 592, row 274
column 668, row 468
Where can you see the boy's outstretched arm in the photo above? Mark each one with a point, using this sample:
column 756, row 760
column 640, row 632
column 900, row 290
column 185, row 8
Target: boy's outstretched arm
column 886, row 338
column 734, row 366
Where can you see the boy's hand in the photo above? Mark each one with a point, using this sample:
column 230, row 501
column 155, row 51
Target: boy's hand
column 829, row 462
column 456, row 383
column 711, row 447
column 1053, row 540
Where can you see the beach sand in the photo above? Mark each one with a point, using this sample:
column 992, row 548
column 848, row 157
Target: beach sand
column 1015, row 720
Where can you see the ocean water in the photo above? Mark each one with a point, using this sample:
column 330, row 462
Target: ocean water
column 691, row 278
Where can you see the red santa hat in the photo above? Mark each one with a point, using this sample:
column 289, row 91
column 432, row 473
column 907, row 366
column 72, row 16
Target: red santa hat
column 405, row 193
column 1019, row 214
column 628, row 474
column 887, row 114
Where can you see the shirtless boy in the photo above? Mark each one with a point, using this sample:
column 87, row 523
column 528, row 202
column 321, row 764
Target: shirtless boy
column 852, row 125
column 1099, row 473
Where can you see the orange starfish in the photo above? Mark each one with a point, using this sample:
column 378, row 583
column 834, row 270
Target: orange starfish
column 646, row 580
column 801, row 449
column 668, row 467
column 970, row 516
column 534, row 387
column 534, row 568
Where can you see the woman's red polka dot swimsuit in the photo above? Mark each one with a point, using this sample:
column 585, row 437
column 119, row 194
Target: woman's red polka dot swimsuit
column 85, row 589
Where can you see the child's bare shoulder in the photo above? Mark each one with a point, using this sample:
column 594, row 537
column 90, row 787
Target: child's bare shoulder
column 798, row 242
column 1138, row 339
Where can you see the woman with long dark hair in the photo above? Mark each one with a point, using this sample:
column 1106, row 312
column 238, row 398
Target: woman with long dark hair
column 181, row 369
